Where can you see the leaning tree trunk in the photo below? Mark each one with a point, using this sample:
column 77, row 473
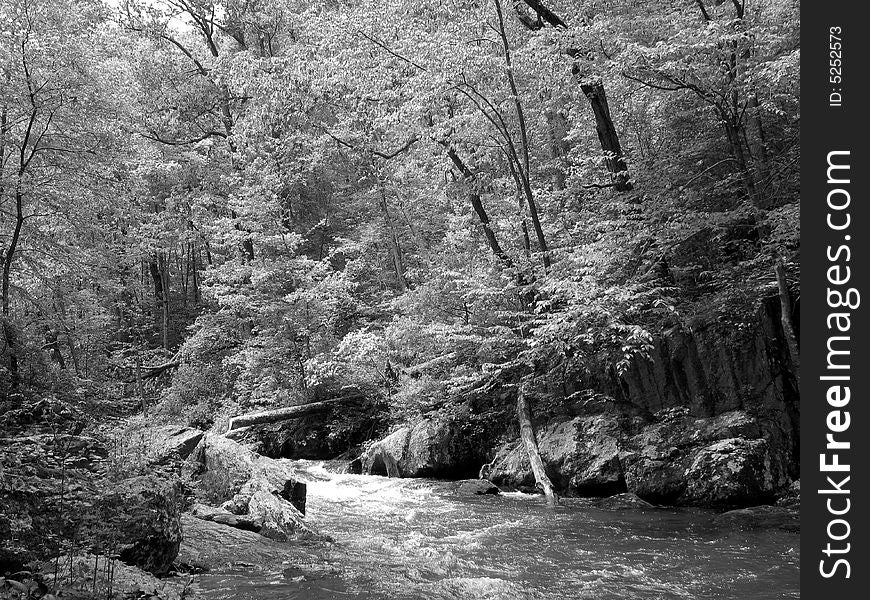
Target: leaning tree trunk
column 614, row 158
column 527, row 433
column 593, row 89
column 477, row 205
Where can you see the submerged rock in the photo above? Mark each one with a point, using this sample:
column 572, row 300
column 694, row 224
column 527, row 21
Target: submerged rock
column 765, row 517
column 477, row 487
column 621, row 501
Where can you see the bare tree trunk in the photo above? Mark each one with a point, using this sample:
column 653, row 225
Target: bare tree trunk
column 415, row 233
column 165, row 274
column 52, row 344
column 8, row 258
column 758, row 145
column 157, row 268
column 140, row 385
column 395, row 249
column 522, row 162
column 184, row 269
column 527, row 433
column 195, row 252
column 785, row 318
column 71, row 344
column 558, row 149
column 735, row 134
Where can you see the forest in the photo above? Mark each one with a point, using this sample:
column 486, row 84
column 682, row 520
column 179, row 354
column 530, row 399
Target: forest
column 553, row 244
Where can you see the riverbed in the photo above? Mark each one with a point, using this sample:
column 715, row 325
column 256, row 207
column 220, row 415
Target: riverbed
column 413, row 539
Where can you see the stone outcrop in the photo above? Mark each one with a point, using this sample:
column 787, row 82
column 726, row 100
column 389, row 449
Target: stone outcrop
column 144, row 514
column 430, row 448
column 266, row 491
column 673, row 458
column 60, row 475
column 210, row 546
column 709, row 418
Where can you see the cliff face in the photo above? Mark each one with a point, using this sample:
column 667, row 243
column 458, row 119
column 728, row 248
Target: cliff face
column 710, row 418
column 715, row 367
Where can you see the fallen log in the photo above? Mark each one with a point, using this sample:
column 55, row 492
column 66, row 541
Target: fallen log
column 148, row 371
column 289, row 412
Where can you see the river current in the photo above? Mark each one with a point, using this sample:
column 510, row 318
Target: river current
column 412, row 539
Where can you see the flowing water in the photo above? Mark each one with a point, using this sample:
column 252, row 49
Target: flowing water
column 418, row 539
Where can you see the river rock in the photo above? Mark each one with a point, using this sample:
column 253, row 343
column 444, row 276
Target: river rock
column 622, row 501
column 145, row 518
column 431, row 448
column 765, row 517
column 730, row 472
column 581, row 456
column 477, row 487
column 383, row 457
column 263, row 490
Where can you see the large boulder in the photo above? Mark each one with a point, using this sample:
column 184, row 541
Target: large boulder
column 383, row 457
column 730, row 472
column 712, row 461
column 265, row 490
column 173, row 442
column 477, row 487
column 581, row 456
column 46, row 479
column 430, row 448
column 723, row 363
column 144, row 517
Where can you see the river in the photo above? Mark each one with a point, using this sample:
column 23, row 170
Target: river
column 412, row 539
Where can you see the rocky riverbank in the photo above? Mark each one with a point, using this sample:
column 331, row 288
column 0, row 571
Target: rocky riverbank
column 708, row 419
